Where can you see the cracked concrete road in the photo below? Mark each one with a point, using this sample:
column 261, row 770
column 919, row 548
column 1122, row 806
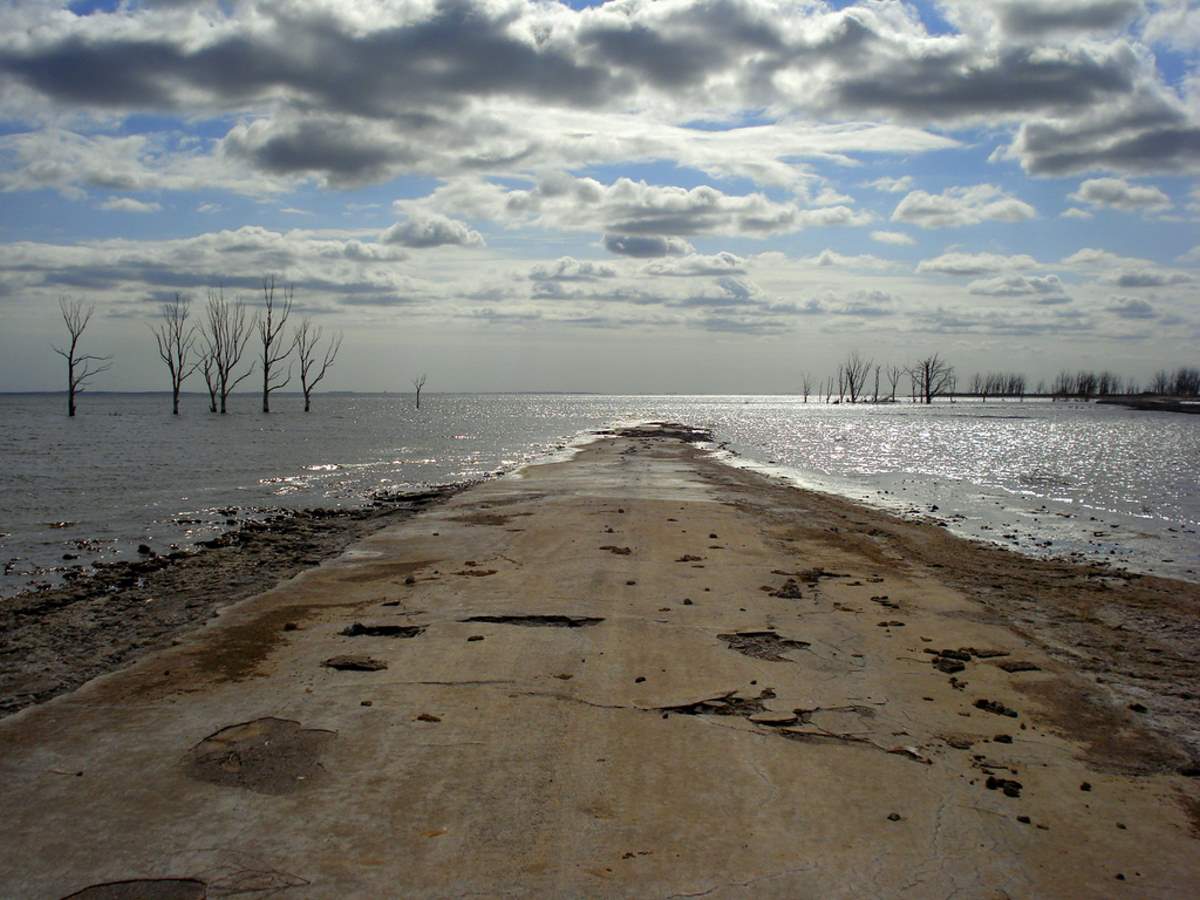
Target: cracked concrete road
column 744, row 704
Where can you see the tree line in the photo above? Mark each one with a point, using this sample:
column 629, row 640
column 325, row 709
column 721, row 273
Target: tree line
column 862, row 380
column 215, row 346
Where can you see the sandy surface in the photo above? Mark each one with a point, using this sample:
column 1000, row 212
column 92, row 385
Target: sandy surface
column 636, row 673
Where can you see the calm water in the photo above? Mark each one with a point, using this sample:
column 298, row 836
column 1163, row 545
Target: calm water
column 1046, row 478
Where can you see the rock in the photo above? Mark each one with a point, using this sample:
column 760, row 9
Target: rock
column 144, row 549
column 1138, row 708
column 1003, row 739
column 949, row 666
column 354, row 664
column 475, row 637
column 996, row 707
column 1008, row 786
column 428, row 717
column 1085, row 786
column 894, row 817
column 1018, row 666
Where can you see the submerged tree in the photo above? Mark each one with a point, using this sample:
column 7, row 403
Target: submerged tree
column 418, row 383
column 80, row 367
column 931, row 377
column 313, row 363
column 226, row 333
column 855, row 371
column 175, row 339
column 275, row 349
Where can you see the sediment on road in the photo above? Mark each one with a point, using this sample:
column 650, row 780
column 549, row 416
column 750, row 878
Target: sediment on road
column 639, row 672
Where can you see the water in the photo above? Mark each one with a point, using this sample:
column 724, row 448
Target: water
column 1045, row 478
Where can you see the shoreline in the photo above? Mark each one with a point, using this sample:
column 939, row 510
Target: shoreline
column 61, row 637
column 637, row 671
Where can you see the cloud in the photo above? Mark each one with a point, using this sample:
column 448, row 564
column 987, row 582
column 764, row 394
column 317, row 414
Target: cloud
column 693, row 265
column 570, row 269
column 644, row 247
column 1147, row 278
column 1117, row 193
column 1131, row 308
column 831, row 258
column 1038, row 18
column 129, row 205
column 431, row 230
column 1018, row 286
column 629, row 208
column 1094, row 257
column 892, row 185
column 1175, row 24
column 960, row 206
column 1075, row 212
column 975, row 263
column 895, row 238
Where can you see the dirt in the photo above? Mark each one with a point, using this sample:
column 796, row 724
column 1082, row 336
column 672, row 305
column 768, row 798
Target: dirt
column 358, row 629
column 762, row 644
column 144, row 889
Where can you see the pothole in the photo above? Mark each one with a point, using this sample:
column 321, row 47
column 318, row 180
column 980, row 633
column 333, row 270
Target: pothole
column 267, row 756
column 358, row 629
column 536, row 621
column 762, row 644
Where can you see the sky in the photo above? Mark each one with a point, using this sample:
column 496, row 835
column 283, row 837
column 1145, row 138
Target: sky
column 673, row 196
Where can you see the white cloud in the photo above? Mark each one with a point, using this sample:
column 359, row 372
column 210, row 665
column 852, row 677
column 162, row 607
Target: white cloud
column 693, row 265
column 629, row 208
column 1117, row 193
column 1017, row 286
column 129, row 205
column 1075, row 212
column 971, row 264
column 831, row 258
column 892, row 185
column 956, row 207
column 424, row 229
column 895, row 238
column 568, row 268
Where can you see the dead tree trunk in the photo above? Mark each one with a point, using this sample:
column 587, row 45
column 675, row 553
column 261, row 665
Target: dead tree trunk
column 418, row 383
column 270, row 324
column 80, row 367
column 307, row 340
column 226, row 334
column 175, row 339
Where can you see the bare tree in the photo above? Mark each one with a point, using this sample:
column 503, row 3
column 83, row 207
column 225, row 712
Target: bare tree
column 313, row 363
column 276, row 348
column 875, row 396
column 208, row 366
column 806, row 385
column 175, row 339
column 80, row 367
column 226, row 333
column 418, row 383
column 893, row 376
column 931, row 377
column 856, row 370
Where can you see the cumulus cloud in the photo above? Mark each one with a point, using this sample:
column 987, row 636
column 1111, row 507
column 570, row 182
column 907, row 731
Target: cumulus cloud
column 568, row 268
column 892, row 185
column 431, row 230
column 129, row 205
column 1117, row 193
column 630, row 208
column 971, row 264
column 693, row 265
column 956, row 207
column 1147, row 278
column 895, row 238
column 1131, row 308
column 831, row 258
column 646, row 247
column 1017, row 286
column 1074, row 212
